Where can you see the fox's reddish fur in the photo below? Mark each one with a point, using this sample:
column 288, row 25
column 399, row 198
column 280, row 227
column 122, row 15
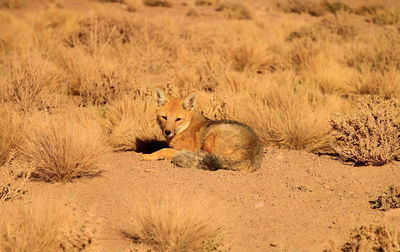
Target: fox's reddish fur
column 196, row 141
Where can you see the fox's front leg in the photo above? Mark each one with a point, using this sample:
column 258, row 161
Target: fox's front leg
column 166, row 153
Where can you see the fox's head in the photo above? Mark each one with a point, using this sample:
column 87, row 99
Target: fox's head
column 173, row 114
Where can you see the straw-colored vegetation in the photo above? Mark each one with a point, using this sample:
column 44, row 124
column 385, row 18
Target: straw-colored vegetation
column 371, row 134
column 45, row 226
column 73, row 82
column 180, row 223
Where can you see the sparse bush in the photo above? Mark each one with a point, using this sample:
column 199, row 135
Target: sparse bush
column 161, row 3
column 12, row 4
column 373, row 237
column 129, row 120
column 61, row 149
column 389, row 200
column 205, row 2
column 12, row 181
column 233, row 10
column 312, row 7
column 45, row 226
column 180, row 223
column 369, row 136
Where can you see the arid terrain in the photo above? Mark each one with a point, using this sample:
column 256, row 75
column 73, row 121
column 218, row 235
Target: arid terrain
column 318, row 81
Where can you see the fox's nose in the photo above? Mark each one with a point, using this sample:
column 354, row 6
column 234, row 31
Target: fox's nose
column 167, row 132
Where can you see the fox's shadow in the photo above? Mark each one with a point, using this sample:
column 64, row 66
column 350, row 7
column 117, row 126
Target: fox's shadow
column 147, row 146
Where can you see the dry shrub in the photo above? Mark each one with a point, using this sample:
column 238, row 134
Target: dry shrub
column 31, row 83
column 45, row 226
column 234, row 10
column 62, row 148
column 205, row 2
column 161, row 3
column 131, row 119
column 389, row 200
column 12, row 4
column 284, row 117
column 13, row 177
column 338, row 29
column 379, row 14
column 180, row 223
column 373, row 237
column 370, row 135
column 312, row 7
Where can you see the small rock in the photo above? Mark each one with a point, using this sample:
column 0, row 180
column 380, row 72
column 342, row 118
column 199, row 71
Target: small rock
column 259, row 205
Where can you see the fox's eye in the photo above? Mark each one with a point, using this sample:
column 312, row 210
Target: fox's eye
column 164, row 117
column 178, row 119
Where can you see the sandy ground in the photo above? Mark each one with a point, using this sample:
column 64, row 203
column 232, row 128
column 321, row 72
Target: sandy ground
column 297, row 201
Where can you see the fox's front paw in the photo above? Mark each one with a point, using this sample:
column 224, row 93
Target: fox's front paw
column 149, row 157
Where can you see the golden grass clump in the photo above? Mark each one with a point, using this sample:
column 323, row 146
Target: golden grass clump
column 15, row 35
column 369, row 136
column 160, row 3
column 385, row 84
column 133, row 5
column 62, row 148
column 45, row 226
column 130, row 120
column 234, row 10
column 180, row 223
column 273, row 112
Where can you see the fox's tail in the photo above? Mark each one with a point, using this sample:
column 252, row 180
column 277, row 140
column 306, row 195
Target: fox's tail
column 208, row 161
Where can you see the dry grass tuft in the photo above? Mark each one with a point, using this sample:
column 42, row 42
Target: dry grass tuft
column 273, row 112
column 180, row 223
column 369, row 136
column 62, row 148
column 129, row 120
column 133, row 5
column 161, row 3
column 10, row 133
column 45, row 226
column 233, row 10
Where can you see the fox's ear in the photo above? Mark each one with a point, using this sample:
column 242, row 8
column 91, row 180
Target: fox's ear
column 189, row 101
column 160, row 97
